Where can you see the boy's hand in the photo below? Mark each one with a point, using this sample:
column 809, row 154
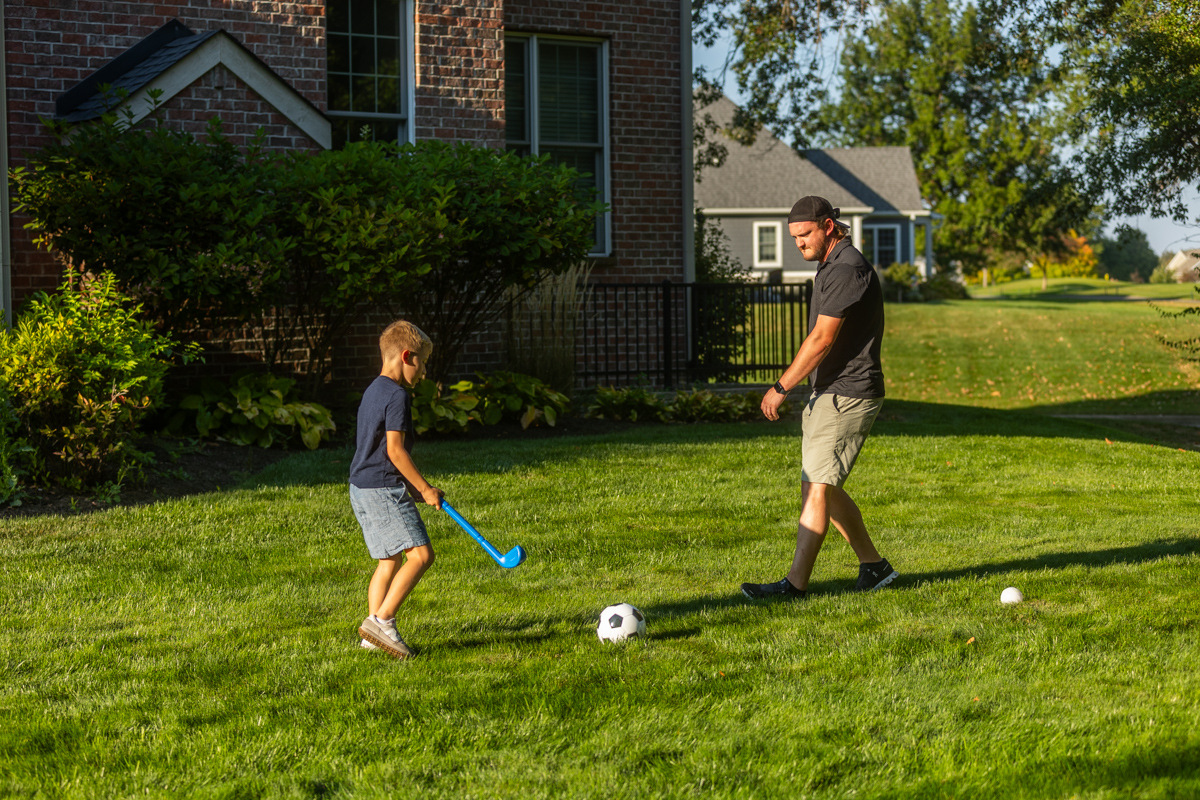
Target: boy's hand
column 433, row 496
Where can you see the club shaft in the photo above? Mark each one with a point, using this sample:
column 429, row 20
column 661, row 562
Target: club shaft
column 466, row 526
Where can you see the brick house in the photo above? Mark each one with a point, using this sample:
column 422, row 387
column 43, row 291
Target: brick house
column 603, row 85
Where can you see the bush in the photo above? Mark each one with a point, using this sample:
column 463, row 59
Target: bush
column 513, row 397
column 635, row 404
column 705, row 406
column 256, row 409
column 943, row 287
column 303, row 240
column 501, row 397
column 81, row 370
column 901, row 283
column 628, row 404
column 13, row 452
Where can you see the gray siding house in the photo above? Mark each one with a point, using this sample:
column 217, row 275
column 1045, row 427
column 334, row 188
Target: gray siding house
column 876, row 188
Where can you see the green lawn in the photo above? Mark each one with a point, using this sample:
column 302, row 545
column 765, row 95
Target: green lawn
column 205, row 647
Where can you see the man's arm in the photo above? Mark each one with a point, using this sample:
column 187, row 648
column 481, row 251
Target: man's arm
column 812, row 352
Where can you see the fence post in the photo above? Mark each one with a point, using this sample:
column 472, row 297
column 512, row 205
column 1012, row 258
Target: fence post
column 668, row 336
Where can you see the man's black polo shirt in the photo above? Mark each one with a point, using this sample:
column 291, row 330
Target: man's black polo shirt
column 847, row 287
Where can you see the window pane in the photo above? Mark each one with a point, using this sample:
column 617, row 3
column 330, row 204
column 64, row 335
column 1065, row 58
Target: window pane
column 362, row 16
column 516, row 104
column 766, row 243
column 362, row 55
column 568, row 92
column 363, row 98
column 339, row 53
column 336, row 17
column 339, row 92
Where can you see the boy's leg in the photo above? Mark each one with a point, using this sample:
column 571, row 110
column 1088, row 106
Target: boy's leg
column 401, row 581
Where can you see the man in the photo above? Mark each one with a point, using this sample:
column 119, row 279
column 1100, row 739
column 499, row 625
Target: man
column 840, row 357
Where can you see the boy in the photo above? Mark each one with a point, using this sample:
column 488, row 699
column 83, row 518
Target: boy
column 383, row 481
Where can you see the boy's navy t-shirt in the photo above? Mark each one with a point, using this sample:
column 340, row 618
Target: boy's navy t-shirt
column 386, row 406
column 847, row 287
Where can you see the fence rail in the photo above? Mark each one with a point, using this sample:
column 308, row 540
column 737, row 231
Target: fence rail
column 671, row 334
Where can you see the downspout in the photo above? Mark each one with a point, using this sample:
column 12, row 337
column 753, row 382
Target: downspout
column 687, row 109
column 6, row 295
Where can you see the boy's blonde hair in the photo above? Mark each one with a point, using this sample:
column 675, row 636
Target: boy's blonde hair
column 402, row 335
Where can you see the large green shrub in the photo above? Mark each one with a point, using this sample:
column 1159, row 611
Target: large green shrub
column 298, row 243
column 81, row 369
column 500, row 397
column 513, row 221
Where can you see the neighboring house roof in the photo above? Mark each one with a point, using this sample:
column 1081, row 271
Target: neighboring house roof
column 771, row 175
column 173, row 58
column 1184, row 262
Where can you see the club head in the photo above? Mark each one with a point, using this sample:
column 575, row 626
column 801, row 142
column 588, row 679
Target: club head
column 513, row 557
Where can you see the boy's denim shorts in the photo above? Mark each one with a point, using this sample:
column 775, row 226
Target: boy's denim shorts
column 834, row 430
column 389, row 518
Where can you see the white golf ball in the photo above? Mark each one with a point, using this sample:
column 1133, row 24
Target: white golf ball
column 1011, row 596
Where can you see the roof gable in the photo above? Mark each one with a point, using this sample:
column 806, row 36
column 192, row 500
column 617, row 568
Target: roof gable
column 170, row 60
column 769, row 174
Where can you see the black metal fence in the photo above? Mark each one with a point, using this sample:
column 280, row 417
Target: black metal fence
column 670, row 334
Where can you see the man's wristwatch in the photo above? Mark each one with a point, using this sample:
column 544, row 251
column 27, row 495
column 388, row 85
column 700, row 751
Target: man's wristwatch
column 779, row 388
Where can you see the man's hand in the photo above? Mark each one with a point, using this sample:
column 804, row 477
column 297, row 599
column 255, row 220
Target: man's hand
column 771, row 402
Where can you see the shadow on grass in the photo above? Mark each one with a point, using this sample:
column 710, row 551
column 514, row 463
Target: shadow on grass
column 1134, row 554
column 490, row 453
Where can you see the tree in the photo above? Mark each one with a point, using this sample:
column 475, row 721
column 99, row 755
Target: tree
column 1128, row 256
column 973, row 101
column 1137, row 91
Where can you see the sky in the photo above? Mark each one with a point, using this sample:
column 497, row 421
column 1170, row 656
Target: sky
column 1162, row 234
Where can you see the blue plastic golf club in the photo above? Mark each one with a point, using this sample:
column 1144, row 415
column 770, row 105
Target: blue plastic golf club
column 509, row 560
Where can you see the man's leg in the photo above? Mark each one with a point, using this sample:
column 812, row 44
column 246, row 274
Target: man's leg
column 810, row 532
column 846, row 517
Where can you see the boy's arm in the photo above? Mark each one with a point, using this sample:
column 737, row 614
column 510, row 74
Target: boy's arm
column 409, row 471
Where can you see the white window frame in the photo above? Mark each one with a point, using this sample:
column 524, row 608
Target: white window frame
column 407, row 80
column 759, row 261
column 604, row 182
column 873, row 256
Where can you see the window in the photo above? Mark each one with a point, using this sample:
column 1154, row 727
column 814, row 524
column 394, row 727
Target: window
column 555, row 99
column 768, row 237
column 881, row 244
column 368, row 50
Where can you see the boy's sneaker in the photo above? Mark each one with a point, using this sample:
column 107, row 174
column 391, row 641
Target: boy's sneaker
column 780, row 589
column 875, row 576
column 382, row 634
column 365, row 645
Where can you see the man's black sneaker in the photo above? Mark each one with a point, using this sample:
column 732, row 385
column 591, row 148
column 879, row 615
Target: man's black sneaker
column 782, row 589
column 875, row 576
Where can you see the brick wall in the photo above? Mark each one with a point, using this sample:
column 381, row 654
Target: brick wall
column 51, row 45
column 460, row 72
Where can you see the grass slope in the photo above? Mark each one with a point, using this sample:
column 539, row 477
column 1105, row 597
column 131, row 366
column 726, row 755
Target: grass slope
column 205, row 647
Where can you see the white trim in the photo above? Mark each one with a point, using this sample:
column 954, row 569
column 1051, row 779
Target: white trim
column 410, row 78
column 778, row 260
column 221, row 49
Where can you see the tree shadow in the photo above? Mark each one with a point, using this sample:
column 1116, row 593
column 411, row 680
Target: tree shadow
column 1134, row 554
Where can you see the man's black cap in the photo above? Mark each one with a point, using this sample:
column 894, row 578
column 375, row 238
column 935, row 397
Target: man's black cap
column 814, row 209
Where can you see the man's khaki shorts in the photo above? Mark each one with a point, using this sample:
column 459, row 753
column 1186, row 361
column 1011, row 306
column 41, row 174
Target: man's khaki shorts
column 834, row 429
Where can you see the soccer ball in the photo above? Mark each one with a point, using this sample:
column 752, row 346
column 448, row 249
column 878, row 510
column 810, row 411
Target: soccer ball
column 620, row 622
